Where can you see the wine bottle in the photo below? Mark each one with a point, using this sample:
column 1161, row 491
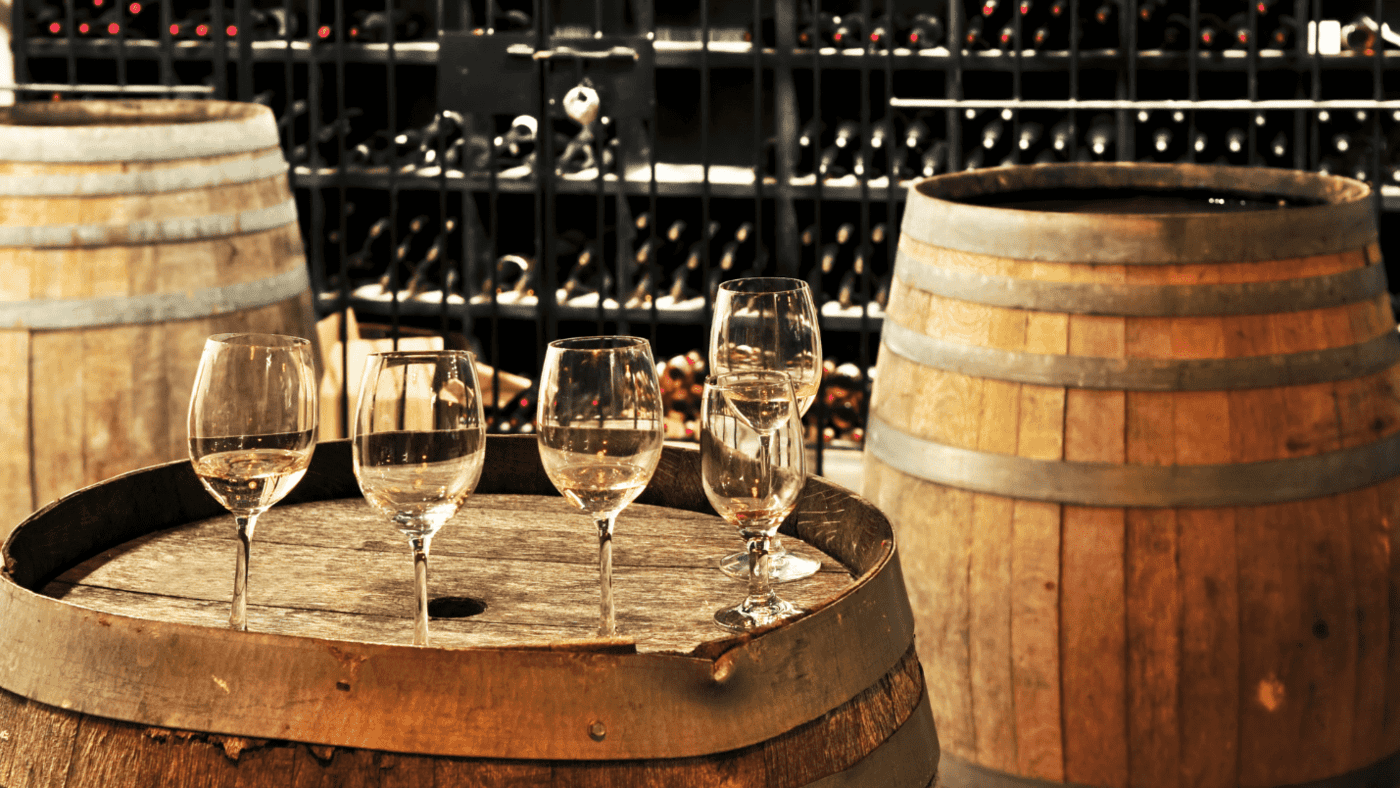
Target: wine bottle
column 1236, row 141
column 934, row 160
column 1101, row 136
column 1240, row 34
column 431, row 261
column 1284, row 35
column 1176, row 32
column 835, row 161
column 377, row 26
column 1101, row 29
column 1029, row 135
column 991, row 134
column 1212, row 33
column 975, row 37
column 848, row 32
column 926, row 31
column 1062, row 136
column 818, row 33
column 885, row 33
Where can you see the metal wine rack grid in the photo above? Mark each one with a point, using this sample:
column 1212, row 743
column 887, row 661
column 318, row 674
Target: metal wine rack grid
column 509, row 173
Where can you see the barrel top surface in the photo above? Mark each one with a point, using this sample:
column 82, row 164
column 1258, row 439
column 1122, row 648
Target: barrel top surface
column 138, row 130
column 1323, row 214
column 133, row 573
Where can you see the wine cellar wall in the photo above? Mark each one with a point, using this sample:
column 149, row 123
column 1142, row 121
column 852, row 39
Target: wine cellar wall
column 507, row 173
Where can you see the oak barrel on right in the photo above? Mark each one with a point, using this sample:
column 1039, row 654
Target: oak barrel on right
column 1138, row 430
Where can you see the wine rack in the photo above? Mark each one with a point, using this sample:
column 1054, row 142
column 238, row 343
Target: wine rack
column 444, row 182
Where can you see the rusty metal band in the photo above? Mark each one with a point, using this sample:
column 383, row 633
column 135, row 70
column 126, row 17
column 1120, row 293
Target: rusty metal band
column 1102, row 298
column 904, row 760
column 156, row 181
column 189, row 228
column 1145, row 374
column 71, row 313
column 935, row 214
column 1151, row 486
column 113, row 131
column 955, row 772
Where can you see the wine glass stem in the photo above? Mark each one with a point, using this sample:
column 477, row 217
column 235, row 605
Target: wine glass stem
column 765, row 448
column 607, row 626
column 238, row 614
column 419, row 544
column 760, row 573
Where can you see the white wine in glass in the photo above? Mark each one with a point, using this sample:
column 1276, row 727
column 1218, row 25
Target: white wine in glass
column 252, row 430
column 418, row 444
column 752, row 474
column 600, row 434
column 769, row 323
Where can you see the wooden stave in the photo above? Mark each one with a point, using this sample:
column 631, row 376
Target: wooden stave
column 1248, row 749
column 146, row 756
column 871, row 609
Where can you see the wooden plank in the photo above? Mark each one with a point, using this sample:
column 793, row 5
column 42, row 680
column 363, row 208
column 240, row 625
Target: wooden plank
column 36, row 743
column 16, row 482
column 989, row 624
column 1036, row 571
column 1370, row 562
column 1330, row 630
column 1092, row 624
column 1152, row 602
column 933, row 525
column 337, row 569
column 1390, row 515
column 56, row 382
column 990, row 577
column 156, row 434
column 1035, row 639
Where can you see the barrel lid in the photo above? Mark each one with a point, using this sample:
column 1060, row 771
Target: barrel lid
column 136, row 130
column 1140, row 214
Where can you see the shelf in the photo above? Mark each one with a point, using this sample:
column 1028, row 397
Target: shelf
column 408, row 52
column 736, row 54
column 371, row 299
column 672, row 180
column 731, row 54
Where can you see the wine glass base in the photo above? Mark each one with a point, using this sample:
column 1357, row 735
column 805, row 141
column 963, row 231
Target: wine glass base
column 785, row 567
column 745, row 616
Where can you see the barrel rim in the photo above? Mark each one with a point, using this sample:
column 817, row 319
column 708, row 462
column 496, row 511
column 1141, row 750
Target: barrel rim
column 453, row 702
column 178, row 129
column 101, row 112
column 1342, row 220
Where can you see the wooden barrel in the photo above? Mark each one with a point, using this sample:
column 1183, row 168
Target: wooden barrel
column 129, row 232
column 1138, row 428
column 117, row 666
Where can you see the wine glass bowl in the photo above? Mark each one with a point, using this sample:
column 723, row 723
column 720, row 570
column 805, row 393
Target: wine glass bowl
column 769, row 324
column 418, row 444
column 252, row 431
column 600, row 420
column 753, row 476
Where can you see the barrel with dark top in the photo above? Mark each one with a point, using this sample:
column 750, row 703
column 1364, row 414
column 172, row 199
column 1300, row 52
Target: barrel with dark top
column 130, row 231
column 1138, row 430
column 119, row 667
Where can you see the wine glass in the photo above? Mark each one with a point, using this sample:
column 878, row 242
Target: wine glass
column 418, row 443
column 252, row 429
column 769, row 323
column 753, row 481
column 600, row 434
